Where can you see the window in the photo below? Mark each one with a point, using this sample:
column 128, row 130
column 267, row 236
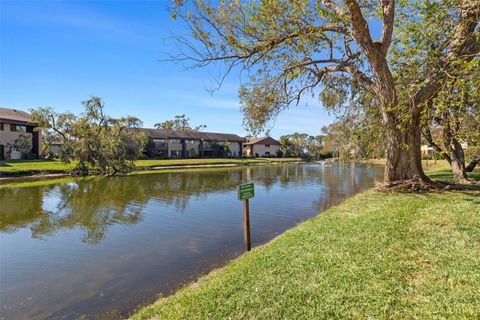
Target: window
column 174, row 141
column 1, row 126
column 18, row 128
column 267, row 153
column 267, row 146
column 159, row 144
column 175, row 154
column 190, row 141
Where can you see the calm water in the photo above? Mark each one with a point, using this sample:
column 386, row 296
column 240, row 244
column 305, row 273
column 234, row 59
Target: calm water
column 102, row 247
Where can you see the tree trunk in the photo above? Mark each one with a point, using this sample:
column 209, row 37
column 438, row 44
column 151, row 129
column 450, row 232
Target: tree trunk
column 455, row 150
column 458, row 162
column 473, row 163
column 404, row 161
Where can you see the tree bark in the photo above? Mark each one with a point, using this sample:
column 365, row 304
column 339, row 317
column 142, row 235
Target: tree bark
column 404, row 161
column 455, row 150
column 458, row 162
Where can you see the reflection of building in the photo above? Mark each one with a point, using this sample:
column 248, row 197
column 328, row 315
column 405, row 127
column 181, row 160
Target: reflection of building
column 261, row 147
column 192, row 144
column 13, row 125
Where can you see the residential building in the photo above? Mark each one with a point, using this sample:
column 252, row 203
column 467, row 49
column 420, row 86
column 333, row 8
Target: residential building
column 13, row 125
column 191, row 144
column 426, row 150
column 261, row 147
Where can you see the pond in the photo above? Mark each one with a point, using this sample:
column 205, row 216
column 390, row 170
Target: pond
column 101, row 247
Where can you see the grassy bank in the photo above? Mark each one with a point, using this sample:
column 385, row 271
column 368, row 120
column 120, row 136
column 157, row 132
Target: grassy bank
column 32, row 167
column 379, row 255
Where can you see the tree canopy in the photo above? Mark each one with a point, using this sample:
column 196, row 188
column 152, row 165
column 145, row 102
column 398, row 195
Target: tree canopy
column 180, row 123
column 95, row 140
column 291, row 48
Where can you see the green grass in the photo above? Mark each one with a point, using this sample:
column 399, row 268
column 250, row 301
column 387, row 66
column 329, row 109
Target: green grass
column 34, row 166
column 376, row 256
column 441, row 170
column 24, row 167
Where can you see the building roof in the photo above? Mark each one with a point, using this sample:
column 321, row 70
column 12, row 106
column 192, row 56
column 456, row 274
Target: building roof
column 15, row 115
column 172, row 134
column 262, row 140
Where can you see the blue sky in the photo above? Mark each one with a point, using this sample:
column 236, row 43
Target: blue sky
column 58, row 53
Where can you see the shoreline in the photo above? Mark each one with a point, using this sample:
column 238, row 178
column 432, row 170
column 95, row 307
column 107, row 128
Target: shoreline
column 18, row 179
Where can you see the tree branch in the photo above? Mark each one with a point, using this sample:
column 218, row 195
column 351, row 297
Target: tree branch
column 388, row 7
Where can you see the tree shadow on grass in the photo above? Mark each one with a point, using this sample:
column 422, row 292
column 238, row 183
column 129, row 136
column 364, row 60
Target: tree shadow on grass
column 446, row 175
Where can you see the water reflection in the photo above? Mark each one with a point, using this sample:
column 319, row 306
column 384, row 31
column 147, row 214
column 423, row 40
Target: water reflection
column 146, row 234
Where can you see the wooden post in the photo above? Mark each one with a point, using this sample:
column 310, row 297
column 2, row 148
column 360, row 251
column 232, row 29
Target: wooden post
column 245, row 192
column 246, row 226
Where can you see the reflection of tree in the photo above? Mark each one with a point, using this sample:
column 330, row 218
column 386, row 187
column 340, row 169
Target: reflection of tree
column 93, row 205
column 20, row 208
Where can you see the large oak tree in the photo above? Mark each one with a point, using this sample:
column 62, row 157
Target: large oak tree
column 289, row 47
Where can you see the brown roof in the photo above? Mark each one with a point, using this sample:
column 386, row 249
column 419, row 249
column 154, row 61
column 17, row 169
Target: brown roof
column 15, row 115
column 263, row 140
column 172, row 134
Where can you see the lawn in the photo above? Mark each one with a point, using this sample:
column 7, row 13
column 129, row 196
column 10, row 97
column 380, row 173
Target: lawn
column 378, row 255
column 34, row 166
column 441, row 170
column 27, row 167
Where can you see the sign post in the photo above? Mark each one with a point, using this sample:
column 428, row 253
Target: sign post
column 245, row 192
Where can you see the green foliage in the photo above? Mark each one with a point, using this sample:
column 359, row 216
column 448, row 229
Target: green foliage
column 471, row 153
column 22, row 144
column 180, row 123
column 452, row 118
column 56, row 129
column 302, row 145
column 325, row 48
column 355, row 136
column 93, row 139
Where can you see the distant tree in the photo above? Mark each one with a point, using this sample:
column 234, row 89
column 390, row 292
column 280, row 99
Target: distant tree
column 21, row 144
column 301, row 145
column 56, row 128
column 315, row 147
column 180, row 123
column 224, row 150
column 355, row 136
column 93, row 139
column 294, row 145
column 336, row 140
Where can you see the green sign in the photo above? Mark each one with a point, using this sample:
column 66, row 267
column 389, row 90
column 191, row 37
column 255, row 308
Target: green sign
column 245, row 191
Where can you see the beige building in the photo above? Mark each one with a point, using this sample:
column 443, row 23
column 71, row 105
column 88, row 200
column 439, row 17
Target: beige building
column 261, row 147
column 191, row 144
column 13, row 125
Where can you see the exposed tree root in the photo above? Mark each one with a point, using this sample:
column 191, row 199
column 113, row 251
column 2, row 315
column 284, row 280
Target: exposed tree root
column 424, row 184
